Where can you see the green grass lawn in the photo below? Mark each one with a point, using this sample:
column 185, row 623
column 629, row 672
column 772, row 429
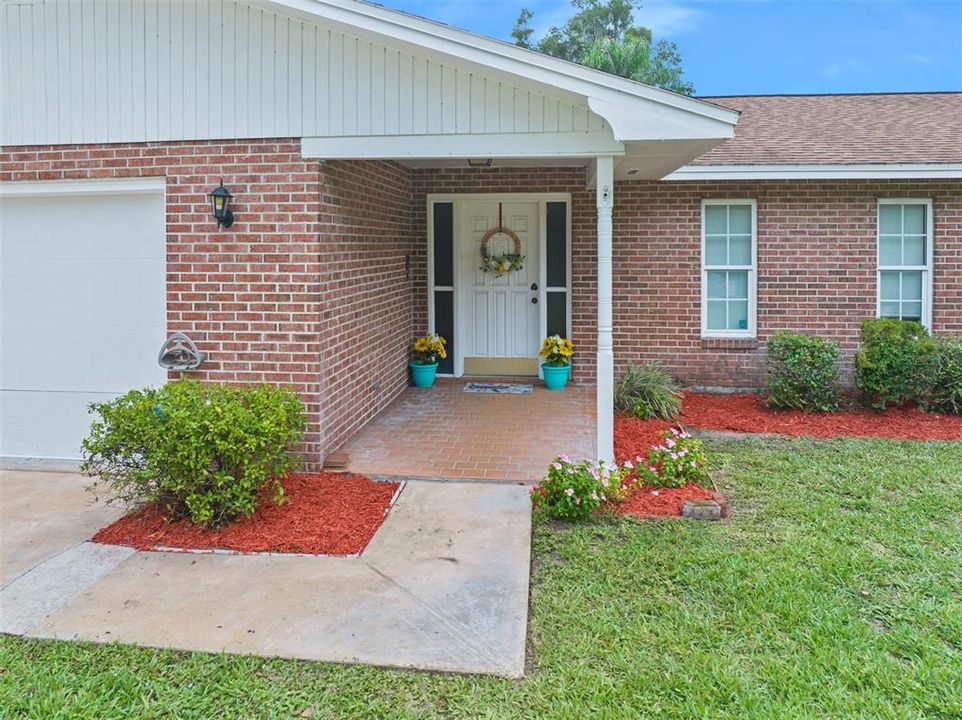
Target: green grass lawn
column 834, row 591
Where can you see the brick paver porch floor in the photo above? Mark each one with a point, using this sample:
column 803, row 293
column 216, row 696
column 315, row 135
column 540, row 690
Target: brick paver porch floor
column 445, row 432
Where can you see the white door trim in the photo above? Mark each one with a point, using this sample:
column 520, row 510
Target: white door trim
column 457, row 199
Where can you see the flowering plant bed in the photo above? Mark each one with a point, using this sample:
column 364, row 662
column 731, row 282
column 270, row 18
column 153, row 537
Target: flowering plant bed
column 323, row 514
column 748, row 414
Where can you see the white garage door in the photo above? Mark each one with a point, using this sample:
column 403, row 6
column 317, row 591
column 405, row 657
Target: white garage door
column 82, row 306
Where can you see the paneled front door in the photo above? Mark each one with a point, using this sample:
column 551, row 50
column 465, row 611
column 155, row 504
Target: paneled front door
column 499, row 316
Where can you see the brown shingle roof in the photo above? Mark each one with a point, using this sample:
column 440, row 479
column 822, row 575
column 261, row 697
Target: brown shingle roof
column 841, row 129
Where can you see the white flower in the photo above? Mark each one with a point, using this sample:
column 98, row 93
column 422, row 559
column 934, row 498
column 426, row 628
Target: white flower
column 569, row 492
column 629, row 465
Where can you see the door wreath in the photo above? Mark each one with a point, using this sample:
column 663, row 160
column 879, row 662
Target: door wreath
column 507, row 262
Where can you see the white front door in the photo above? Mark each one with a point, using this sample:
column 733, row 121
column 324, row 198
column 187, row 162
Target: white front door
column 499, row 317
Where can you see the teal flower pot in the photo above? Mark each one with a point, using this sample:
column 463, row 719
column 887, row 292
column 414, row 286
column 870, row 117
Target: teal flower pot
column 423, row 374
column 556, row 376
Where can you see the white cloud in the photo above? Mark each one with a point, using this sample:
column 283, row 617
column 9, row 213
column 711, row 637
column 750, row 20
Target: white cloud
column 667, row 18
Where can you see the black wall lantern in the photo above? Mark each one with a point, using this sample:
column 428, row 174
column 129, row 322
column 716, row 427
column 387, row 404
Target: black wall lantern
column 220, row 200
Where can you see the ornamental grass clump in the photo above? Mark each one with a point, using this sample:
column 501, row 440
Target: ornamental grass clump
column 647, row 391
column 430, row 348
column 200, row 451
column 557, row 351
column 574, row 490
column 802, row 372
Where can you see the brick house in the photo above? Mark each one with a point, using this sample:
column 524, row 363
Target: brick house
column 369, row 152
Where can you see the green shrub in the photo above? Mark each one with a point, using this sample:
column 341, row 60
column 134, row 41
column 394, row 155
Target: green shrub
column 896, row 362
column 647, row 392
column 573, row 490
column 679, row 460
column 945, row 391
column 202, row 451
column 802, row 372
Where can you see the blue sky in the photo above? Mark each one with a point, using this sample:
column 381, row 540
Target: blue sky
column 733, row 47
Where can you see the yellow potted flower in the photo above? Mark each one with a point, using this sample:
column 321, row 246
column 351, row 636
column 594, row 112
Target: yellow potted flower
column 556, row 368
column 427, row 351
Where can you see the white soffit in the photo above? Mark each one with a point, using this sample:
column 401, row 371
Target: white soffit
column 902, row 171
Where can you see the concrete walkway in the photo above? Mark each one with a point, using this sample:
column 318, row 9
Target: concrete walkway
column 442, row 586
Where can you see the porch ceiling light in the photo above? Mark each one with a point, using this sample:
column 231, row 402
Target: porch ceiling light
column 480, row 162
column 220, row 200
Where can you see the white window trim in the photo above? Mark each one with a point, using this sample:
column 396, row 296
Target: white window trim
column 927, row 269
column 752, row 330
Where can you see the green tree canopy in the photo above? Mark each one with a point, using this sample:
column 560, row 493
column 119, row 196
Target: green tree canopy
column 602, row 34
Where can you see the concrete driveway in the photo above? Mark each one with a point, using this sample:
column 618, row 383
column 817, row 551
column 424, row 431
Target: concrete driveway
column 442, row 586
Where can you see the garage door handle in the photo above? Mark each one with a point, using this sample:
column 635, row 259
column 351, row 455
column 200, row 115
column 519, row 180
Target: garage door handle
column 534, row 301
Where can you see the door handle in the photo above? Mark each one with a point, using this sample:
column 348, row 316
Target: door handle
column 534, row 286
column 534, row 301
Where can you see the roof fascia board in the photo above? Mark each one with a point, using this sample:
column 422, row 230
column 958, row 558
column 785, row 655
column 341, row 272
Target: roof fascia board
column 901, row 171
column 517, row 62
column 425, row 147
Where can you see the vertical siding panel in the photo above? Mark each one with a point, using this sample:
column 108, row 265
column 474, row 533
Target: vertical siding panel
column 363, row 84
column 476, row 84
column 323, row 66
column 108, row 81
column 378, row 84
column 165, row 83
column 52, row 85
column 281, row 34
column 536, row 102
column 202, row 78
column 435, row 98
column 101, row 118
column 335, row 99
column 243, row 78
column 295, row 63
column 406, row 84
column 66, row 111
column 114, row 109
column 225, row 55
column 392, row 91
column 11, row 50
column 492, row 105
column 186, row 63
column 349, row 86
column 266, row 98
column 507, row 107
column 551, row 114
column 138, row 77
column 521, row 110
column 419, row 99
column 309, row 80
column 24, row 42
column 157, row 83
column 580, row 119
column 125, row 60
column 176, row 107
column 449, row 99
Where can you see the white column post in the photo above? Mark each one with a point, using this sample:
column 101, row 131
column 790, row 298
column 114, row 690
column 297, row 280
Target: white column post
column 605, row 189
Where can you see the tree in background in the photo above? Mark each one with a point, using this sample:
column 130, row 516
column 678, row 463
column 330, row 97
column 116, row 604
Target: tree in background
column 602, row 34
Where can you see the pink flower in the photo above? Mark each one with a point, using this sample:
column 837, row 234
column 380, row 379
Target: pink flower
column 694, row 464
column 670, row 443
column 654, row 492
column 577, row 501
column 674, row 456
column 629, row 465
column 564, row 458
column 604, row 482
column 594, row 496
column 594, row 473
column 556, row 466
column 569, row 492
column 652, row 468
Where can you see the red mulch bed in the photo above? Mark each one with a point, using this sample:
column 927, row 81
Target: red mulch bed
column 646, row 501
column 748, row 414
column 633, row 439
column 325, row 514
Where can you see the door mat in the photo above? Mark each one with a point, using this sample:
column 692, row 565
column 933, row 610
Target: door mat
column 498, row 388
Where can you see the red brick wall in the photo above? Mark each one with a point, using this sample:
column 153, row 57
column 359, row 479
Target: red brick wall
column 816, row 269
column 367, row 308
column 816, row 263
column 290, row 293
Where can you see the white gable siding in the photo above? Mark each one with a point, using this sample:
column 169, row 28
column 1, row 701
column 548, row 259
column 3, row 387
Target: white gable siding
column 88, row 71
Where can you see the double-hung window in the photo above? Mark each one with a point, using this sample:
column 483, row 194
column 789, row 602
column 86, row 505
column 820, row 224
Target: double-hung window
column 905, row 260
column 729, row 252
